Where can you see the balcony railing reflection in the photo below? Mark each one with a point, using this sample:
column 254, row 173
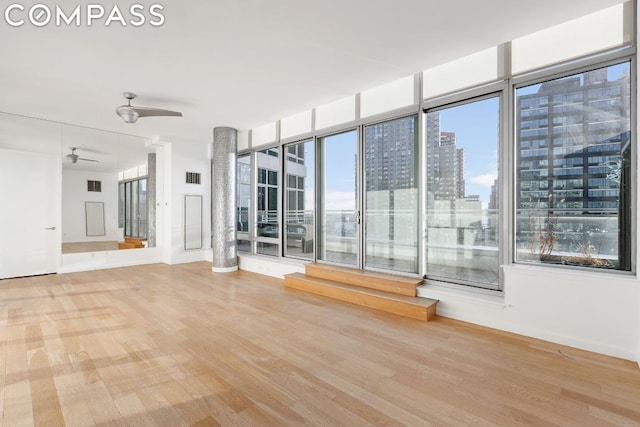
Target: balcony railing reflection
column 569, row 236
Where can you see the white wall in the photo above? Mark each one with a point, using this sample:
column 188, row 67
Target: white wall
column 74, row 196
column 583, row 309
column 86, row 261
column 273, row 267
column 177, row 158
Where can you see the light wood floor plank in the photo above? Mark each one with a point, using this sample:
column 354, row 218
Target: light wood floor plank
column 161, row 345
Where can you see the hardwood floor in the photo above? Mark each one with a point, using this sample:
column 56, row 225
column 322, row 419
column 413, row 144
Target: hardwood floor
column 180, row 345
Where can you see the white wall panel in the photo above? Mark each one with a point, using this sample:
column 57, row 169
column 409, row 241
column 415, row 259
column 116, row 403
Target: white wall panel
column 243, row 140
column 295, row 125
column 388, row 97
column 592, row 33
column 262, row 135
column 335, row 113
column 475, row 69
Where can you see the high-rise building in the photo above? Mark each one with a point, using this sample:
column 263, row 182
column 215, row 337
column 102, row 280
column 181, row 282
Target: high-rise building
column 568, row 146
column 390, row 156
column 445, row 162
column 572, row 149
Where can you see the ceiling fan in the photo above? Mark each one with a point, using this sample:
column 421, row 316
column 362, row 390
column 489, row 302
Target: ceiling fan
column 130, row 114
column 73, row 157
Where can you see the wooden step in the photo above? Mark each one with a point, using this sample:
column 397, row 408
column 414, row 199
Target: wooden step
column 134, row 240
column 127, row 245
column 368, row 279
column 408, row 306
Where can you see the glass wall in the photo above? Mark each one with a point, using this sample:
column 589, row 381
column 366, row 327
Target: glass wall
column 462, row 192
column 421, row 194
column 573, row 170
column 338, row 214
column 268, row 202
column 299, row 200
column 391, row 193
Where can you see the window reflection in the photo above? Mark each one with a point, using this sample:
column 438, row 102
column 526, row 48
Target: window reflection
column 462, row 193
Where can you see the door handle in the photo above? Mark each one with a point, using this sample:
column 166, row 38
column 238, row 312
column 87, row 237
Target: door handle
column 50, row 228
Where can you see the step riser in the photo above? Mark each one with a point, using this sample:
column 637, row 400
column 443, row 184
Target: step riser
column 133, row 240
column 371, row 301
column 129, row 246
column 357, row 278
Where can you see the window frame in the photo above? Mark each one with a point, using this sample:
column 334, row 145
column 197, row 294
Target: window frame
column 125, row 187
column 246, row 235
column 566, row 69
column 255, row 167
column 506, row 87
column 362, row 179
column 500, row 91
column 285, row 197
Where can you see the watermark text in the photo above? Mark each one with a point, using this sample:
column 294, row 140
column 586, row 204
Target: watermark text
column 41, row 15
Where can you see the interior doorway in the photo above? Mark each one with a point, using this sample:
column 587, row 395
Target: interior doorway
column 29, row 213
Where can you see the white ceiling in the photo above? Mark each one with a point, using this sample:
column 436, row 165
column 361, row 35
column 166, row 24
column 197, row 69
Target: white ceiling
column 243, row 63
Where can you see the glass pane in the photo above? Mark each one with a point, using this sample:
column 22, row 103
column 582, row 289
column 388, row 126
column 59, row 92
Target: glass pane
column 273, row 178
column 268, row 212
column 391, row 165
column 268, row 248
column 299, row 222
column 134, row 209
column 121, row 205
column 243, row 200
column 243, row 245
column 462, row 193
column 128, row 225
column 142, row 209
column 262, row 198
column 338, row 238
column 273, row 197
column 573, row 170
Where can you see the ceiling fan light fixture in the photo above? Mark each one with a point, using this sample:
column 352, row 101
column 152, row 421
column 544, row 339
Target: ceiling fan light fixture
column 73, row 157
column 128, row 114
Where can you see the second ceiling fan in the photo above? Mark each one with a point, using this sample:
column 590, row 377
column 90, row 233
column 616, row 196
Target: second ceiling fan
column 73, row 157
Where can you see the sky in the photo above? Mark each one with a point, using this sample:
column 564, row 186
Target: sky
column 476, row 128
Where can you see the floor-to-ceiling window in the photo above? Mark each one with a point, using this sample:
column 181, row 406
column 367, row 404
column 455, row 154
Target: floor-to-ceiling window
column 338, row 214
column 299, row 170
column 461, row 191
column 531, row 162
column 573, row 169
column 391, row 195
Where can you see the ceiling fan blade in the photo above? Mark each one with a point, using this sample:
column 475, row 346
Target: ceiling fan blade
column 88, row 160
column 151, row 112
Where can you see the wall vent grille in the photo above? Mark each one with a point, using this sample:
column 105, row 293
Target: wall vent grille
column 193, row 178
column 94, row 186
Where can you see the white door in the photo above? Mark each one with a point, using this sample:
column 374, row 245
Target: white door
column 29, row 213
